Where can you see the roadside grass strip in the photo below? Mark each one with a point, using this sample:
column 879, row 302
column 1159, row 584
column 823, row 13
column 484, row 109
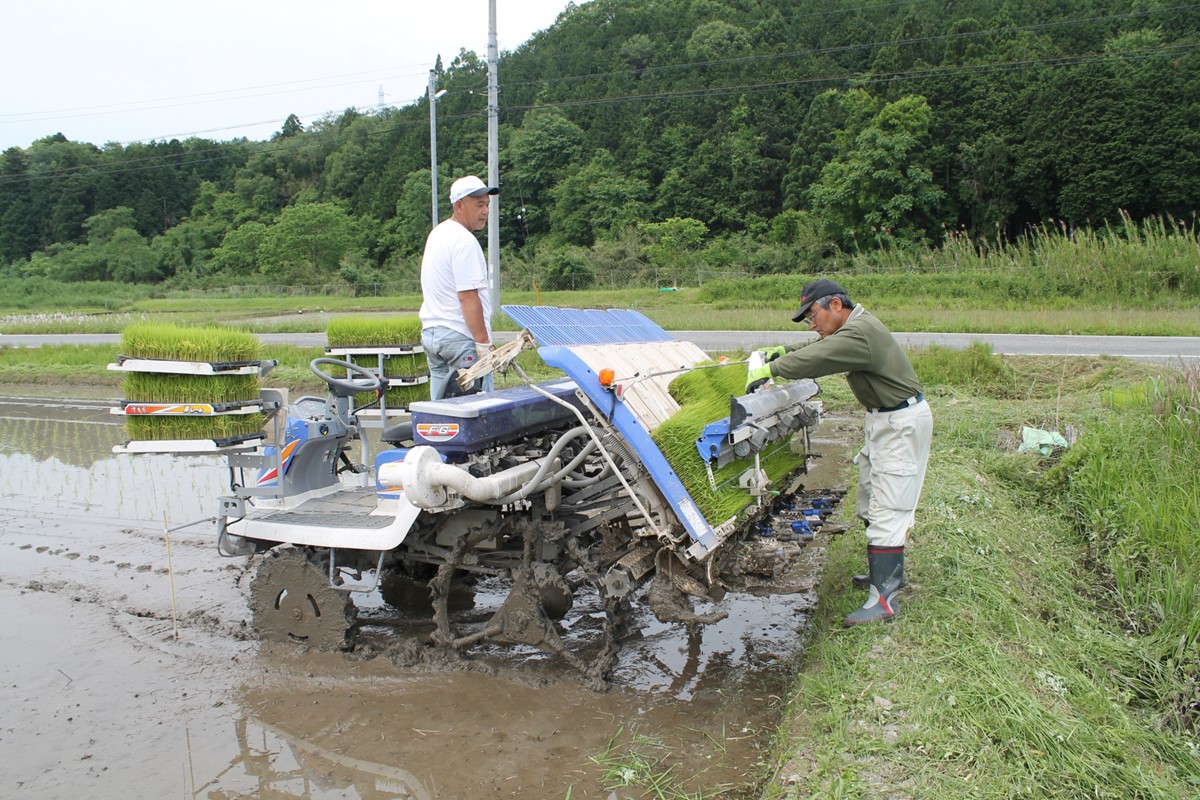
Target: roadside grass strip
column 1017, row 667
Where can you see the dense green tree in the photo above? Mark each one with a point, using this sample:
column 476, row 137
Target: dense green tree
column 882, row 190
column 308, row 243
column 19, row 226
column 129, row 259
column 238, row 253
column 101, row 227
column 404, row 235
column 597, row 201
column 292, row 126
column 834, row 118
column 540, row 152
column 185, row 251
column 717, row 39
column 673, row 246
column 985, row 184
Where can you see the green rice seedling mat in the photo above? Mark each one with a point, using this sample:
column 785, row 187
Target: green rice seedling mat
column 703, row 396
column 175, row 343
column 384, row 332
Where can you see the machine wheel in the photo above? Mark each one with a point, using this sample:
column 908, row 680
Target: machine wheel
column 291, row 601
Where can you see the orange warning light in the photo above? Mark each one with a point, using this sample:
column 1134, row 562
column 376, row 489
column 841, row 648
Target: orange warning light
column 607, row 377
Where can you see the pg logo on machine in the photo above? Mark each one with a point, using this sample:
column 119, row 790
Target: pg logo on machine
column 437, row 431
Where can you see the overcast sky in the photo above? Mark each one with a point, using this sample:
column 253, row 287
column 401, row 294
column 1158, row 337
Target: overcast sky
column 135, row 70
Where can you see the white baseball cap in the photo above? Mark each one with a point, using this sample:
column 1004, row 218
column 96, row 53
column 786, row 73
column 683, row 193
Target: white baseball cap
column 470, row 186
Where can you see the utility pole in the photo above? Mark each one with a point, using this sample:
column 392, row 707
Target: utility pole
column 434, row 94
column 493, row 156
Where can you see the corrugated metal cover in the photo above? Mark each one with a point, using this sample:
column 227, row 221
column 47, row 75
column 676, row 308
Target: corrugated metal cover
column 575, row 326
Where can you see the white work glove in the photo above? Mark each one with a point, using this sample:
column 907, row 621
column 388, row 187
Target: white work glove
column 482, row 349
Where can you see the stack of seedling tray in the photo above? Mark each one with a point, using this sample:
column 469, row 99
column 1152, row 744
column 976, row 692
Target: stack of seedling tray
column 389, row 347
column 191, row 390
column 703, row 396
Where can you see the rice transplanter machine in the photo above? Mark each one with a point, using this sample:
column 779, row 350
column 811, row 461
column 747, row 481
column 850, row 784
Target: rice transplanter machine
column 557, row 488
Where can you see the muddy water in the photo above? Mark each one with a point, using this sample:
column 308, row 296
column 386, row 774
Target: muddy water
column 128, row 668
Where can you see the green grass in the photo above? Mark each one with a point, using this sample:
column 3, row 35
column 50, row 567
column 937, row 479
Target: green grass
column 1013, row 670
column 1132, row 491
column 635, row 760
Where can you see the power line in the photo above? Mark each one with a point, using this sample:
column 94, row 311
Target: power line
column 866, row 46
column 145, row 105
column 159, row 161
column 874, row 77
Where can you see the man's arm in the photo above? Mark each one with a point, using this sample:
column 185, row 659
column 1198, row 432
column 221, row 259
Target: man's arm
column 846, row 350
column 472, row 310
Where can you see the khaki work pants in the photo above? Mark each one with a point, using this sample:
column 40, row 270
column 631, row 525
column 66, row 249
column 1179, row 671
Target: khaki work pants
column 891, row 471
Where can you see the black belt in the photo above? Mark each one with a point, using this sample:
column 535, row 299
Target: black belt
column 912, row 401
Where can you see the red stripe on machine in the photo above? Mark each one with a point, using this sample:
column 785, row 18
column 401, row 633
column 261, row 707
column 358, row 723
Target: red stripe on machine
column 437, row 431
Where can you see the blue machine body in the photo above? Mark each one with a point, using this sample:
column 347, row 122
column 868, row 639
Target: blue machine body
column 459, row 426
column 295, row 434
column 558, row 330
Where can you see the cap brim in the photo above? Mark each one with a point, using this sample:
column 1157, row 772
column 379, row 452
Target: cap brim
column 803, row 310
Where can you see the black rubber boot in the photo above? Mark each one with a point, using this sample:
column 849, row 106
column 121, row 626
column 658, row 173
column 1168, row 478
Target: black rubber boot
column 887, row 576
column 863, row 581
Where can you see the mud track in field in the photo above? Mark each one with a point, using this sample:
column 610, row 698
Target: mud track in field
column 129, row 669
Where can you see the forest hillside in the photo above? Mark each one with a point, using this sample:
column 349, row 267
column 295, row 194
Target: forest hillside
column 631, row 127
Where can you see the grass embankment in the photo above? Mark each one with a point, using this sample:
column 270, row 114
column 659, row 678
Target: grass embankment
column 1047, row 646
column 1134, row 279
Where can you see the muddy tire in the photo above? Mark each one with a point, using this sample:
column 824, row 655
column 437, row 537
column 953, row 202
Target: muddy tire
column 291, row 600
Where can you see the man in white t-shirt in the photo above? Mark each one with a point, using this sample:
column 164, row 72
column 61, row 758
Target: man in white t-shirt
column 456, row 313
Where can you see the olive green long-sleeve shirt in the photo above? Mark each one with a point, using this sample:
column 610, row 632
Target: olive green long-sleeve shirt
column 876, row 367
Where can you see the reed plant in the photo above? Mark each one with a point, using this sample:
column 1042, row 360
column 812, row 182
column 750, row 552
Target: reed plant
column 358, row 331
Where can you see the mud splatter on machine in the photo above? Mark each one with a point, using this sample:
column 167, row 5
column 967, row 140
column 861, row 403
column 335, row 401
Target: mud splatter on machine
column 559, row 488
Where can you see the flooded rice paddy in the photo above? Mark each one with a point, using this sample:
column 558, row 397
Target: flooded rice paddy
column 129, row 668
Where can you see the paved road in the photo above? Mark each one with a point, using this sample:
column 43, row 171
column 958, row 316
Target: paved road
column 1152, row 348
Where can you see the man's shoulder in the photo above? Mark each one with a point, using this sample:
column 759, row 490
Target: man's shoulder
column 448, row 229
column 450, row 237
column 865, row 320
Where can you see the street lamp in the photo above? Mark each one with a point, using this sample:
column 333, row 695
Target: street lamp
column 433, row 97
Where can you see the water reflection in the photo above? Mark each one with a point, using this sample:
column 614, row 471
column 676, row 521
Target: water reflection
column 272, row 764
column 58, row 454
column 74, row 432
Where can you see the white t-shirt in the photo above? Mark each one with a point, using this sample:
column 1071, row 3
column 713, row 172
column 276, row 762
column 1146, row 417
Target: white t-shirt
column 453, row 263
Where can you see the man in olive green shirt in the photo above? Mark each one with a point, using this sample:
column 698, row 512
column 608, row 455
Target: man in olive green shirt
column 898, row 426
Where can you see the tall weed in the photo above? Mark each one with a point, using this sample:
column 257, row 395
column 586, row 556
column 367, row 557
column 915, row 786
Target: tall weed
column 1132, row 487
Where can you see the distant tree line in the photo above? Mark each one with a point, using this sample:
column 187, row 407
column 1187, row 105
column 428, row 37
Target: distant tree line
column 764, row 134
